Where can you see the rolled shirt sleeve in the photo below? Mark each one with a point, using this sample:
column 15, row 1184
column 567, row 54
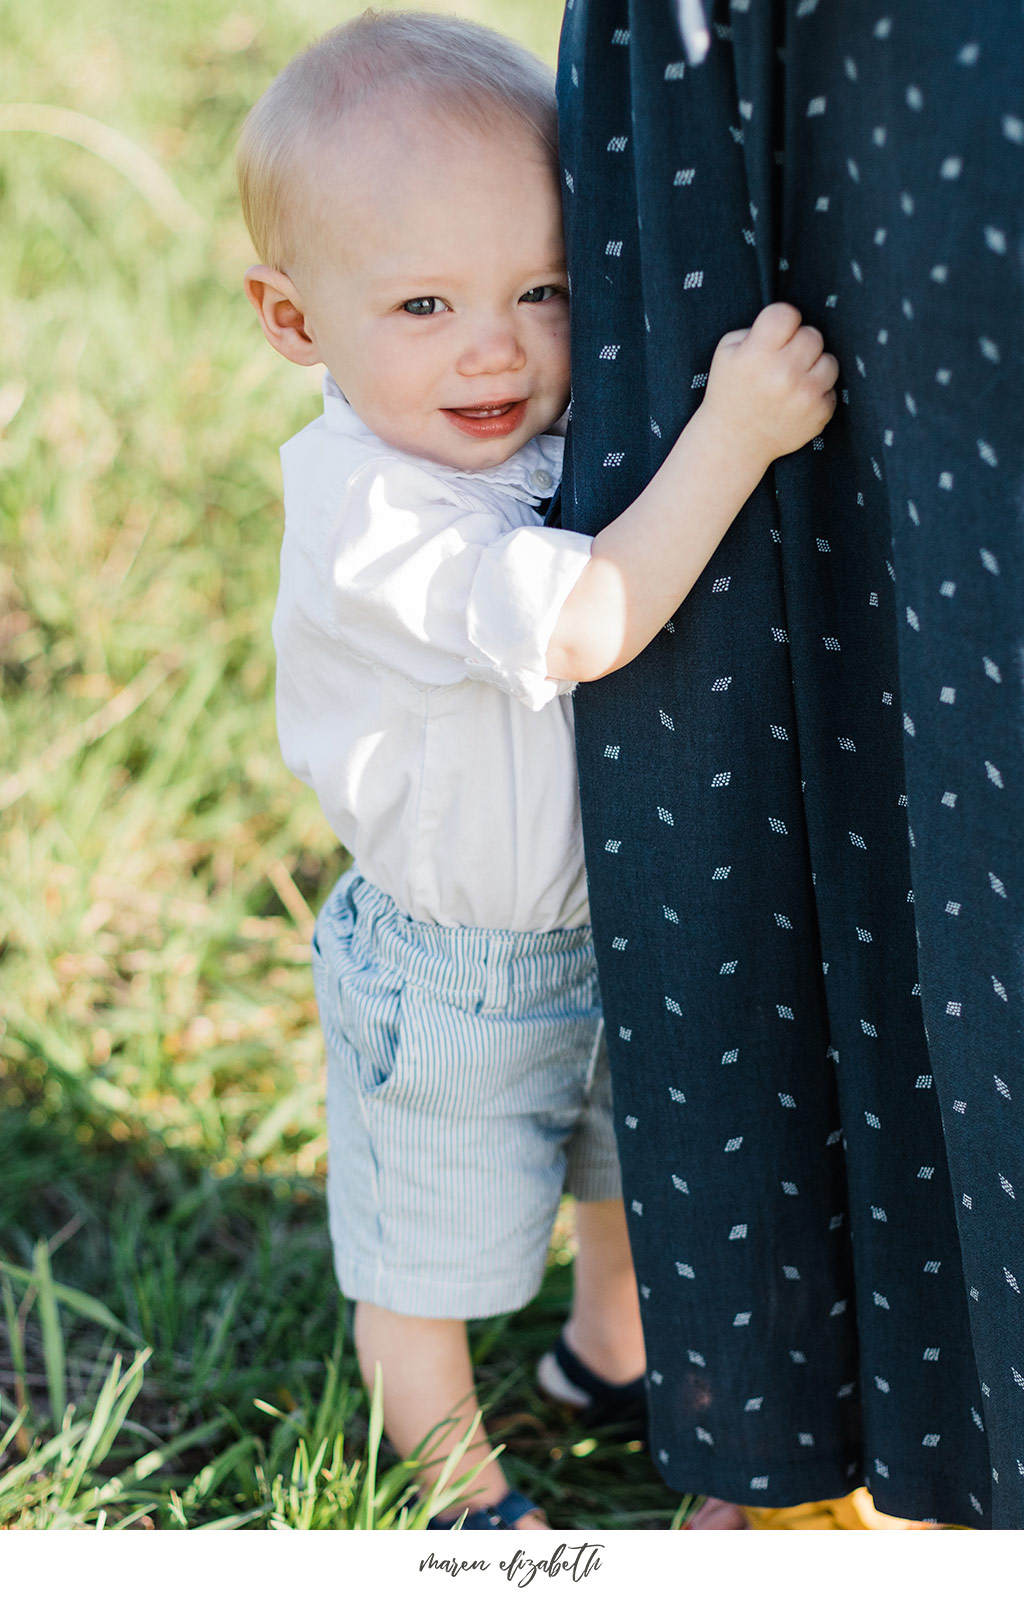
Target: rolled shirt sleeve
column 439, row 591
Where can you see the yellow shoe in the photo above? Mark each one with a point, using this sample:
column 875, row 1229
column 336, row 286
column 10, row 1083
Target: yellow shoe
column 855, row 1512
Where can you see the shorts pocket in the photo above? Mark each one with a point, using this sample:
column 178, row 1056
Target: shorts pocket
column 361, row 1016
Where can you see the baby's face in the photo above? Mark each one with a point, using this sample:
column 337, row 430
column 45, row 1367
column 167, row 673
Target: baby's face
column 439, row 301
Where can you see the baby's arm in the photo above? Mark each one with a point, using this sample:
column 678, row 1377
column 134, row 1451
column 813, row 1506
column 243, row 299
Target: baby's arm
column 770, row 390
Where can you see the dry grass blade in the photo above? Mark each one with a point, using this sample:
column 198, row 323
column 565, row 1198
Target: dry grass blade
column 115, row 148
column 291, row 897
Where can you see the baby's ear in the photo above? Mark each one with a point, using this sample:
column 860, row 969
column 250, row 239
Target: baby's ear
column 282, row 318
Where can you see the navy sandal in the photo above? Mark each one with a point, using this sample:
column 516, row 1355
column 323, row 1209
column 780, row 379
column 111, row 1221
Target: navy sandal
column 505, row 1514
column 567, row 1380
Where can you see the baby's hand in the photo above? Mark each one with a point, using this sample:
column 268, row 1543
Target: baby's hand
column 772, row 385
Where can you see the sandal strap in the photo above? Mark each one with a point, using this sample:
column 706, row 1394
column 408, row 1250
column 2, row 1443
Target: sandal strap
column 600, row 1391
column 509, row 1509
column 503, row 1514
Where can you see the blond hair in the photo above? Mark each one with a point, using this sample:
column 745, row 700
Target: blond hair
column 459, row 71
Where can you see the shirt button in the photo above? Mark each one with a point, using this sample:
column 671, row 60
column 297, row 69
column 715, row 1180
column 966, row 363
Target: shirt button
column 541, row 479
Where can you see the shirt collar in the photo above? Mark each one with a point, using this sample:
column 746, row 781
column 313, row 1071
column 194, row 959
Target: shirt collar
column 532, row 474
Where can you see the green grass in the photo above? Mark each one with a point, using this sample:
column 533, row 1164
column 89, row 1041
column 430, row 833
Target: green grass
column 172, row 1347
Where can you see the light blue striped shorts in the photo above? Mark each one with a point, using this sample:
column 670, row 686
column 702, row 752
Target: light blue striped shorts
column 467, row 1088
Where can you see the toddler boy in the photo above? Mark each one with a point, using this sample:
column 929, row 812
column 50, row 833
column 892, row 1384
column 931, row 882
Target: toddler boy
column 400, row 183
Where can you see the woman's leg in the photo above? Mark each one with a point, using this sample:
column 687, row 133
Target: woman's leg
column 427, row 1380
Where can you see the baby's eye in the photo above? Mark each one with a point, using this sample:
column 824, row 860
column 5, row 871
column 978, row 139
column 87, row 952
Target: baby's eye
column 424, row 306
column 547, row 291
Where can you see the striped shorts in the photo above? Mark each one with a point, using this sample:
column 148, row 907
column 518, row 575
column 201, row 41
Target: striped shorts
column 467, row 1089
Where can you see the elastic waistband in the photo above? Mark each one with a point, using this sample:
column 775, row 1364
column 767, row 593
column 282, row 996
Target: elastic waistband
column 492, row 968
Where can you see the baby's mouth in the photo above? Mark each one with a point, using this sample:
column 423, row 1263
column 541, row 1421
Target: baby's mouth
column 492, row 421
column 498, row 409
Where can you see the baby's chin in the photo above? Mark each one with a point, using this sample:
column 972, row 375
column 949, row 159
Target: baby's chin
column 446, row 444
column 469, row 455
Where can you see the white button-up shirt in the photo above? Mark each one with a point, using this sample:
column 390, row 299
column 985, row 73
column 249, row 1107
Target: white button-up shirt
column 412, row 625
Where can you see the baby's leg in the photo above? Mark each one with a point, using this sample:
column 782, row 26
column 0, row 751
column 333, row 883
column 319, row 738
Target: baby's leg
column 427, row 1377
column 604, row 1328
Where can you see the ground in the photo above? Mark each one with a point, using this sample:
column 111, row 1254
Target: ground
column 173, row 1352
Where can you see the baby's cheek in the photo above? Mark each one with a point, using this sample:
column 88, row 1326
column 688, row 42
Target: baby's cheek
column 560, row 345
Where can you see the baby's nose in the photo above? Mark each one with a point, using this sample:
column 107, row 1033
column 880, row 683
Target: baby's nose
column 491, row 346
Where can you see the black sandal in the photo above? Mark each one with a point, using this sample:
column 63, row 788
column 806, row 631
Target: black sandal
column 505, row 1514
column 567, row 1380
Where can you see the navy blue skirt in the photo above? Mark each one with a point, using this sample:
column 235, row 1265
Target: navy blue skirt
column 804, row 803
